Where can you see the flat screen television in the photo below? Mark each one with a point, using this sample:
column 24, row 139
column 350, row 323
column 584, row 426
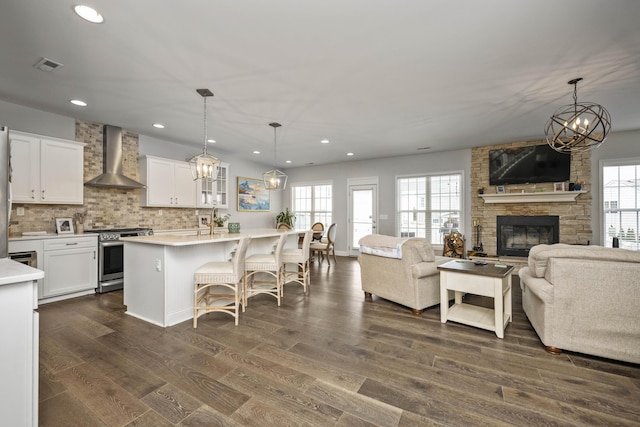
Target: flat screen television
column 528, row 165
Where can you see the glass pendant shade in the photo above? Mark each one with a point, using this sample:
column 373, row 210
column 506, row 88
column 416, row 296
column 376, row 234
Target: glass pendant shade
column 204, row 166
column 579, row 126
column 274, row 179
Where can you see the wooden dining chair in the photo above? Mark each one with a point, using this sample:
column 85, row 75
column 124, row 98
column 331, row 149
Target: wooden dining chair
column 326, row 245
column 318, row 230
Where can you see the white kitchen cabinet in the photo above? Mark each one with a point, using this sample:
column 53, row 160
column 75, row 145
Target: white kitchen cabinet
column 46, row 170
column 215, row 194
column 70, row 265
column 169, row 183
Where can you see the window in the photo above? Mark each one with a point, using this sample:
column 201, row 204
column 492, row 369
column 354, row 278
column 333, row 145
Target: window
column 429, row 206
column 312, row 203
column 621, row 202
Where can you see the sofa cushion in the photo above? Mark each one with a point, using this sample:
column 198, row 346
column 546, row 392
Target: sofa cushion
column 539, row 255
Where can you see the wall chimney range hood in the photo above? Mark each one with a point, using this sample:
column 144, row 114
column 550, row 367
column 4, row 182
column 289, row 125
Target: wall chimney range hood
column 112, row 158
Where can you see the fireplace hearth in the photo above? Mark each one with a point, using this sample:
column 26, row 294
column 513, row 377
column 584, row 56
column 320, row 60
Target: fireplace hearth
column 517, row 234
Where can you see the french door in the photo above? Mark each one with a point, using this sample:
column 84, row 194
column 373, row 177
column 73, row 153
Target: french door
column 363, row 215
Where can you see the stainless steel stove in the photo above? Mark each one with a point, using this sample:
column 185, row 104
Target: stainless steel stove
column 111, row 255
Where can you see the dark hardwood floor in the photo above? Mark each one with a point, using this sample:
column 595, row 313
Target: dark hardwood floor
column 328, row 358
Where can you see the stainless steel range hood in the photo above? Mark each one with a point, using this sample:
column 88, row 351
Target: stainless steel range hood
column 112, row 158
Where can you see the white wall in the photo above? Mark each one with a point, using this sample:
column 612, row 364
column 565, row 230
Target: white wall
column 26, row 119
column 386, row 170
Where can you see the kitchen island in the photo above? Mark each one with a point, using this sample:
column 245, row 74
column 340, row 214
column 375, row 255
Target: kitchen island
column 19, row 334
column 158, row 269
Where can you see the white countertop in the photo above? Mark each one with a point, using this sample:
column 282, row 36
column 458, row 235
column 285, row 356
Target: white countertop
column 50, row 236
column 15, row 272
column 188, row 240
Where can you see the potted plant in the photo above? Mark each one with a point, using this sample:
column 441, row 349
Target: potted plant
column 286, row 217
column 220, row 220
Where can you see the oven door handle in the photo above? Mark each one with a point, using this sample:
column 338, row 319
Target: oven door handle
column 113, row 243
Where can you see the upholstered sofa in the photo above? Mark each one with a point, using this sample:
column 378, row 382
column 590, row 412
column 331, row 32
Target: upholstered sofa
column 401, row 270
column 584, row 299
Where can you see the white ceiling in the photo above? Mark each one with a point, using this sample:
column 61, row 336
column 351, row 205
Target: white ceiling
column 376, row 78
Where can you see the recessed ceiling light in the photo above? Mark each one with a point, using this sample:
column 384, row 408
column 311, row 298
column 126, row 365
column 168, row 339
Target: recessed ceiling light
column 158, row 125
column 88, row 13
column 256, row 152
column 78, row 102
column 213, row 141
column 349, row 154
column 325, row 141
column 287, row 161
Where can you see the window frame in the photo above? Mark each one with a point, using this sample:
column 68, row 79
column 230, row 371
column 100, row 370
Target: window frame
column 461, row 192
column 313, row 211
column 602, row 211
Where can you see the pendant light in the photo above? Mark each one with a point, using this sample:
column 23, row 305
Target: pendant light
column 579, row 126
column 204, row 167
column 274, row 179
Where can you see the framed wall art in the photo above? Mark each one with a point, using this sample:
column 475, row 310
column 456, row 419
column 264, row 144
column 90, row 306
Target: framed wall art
column 64, row 226
column 252, row 195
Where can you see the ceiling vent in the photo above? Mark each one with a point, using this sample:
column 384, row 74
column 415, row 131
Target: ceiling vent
column 48, row 65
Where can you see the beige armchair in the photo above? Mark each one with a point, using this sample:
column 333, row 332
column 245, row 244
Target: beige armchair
column 584, row 299
column 411, row 278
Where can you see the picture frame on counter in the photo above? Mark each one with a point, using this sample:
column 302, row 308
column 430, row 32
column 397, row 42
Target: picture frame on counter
column 64, row 226
column 203, row 221
column 558, row 186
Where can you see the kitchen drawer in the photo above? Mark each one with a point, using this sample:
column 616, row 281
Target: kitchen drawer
column 71, row 242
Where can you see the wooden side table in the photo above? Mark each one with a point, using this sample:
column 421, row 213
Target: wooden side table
column 490, row 280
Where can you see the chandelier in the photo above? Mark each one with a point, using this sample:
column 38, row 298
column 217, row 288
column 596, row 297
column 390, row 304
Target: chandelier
column 274, row 179
column 204, row 167
column 578, row 126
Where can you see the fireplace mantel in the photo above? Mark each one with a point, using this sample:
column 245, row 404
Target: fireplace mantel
column 541, row 197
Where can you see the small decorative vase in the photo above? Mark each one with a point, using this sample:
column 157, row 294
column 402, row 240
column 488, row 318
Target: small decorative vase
column 234, row 227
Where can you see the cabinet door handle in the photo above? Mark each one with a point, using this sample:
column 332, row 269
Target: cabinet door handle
column 94, row 254
column 33, row 194
column 71, row 244
column 42, row 194
column 176, row 200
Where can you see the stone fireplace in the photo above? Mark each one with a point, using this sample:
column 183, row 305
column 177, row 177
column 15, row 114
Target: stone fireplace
column 517, row 234
column 574, row 216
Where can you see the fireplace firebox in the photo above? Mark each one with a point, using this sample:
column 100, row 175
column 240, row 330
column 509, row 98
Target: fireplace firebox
column 517, row 234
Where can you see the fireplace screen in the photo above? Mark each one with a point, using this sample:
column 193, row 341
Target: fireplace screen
column 517, row 234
